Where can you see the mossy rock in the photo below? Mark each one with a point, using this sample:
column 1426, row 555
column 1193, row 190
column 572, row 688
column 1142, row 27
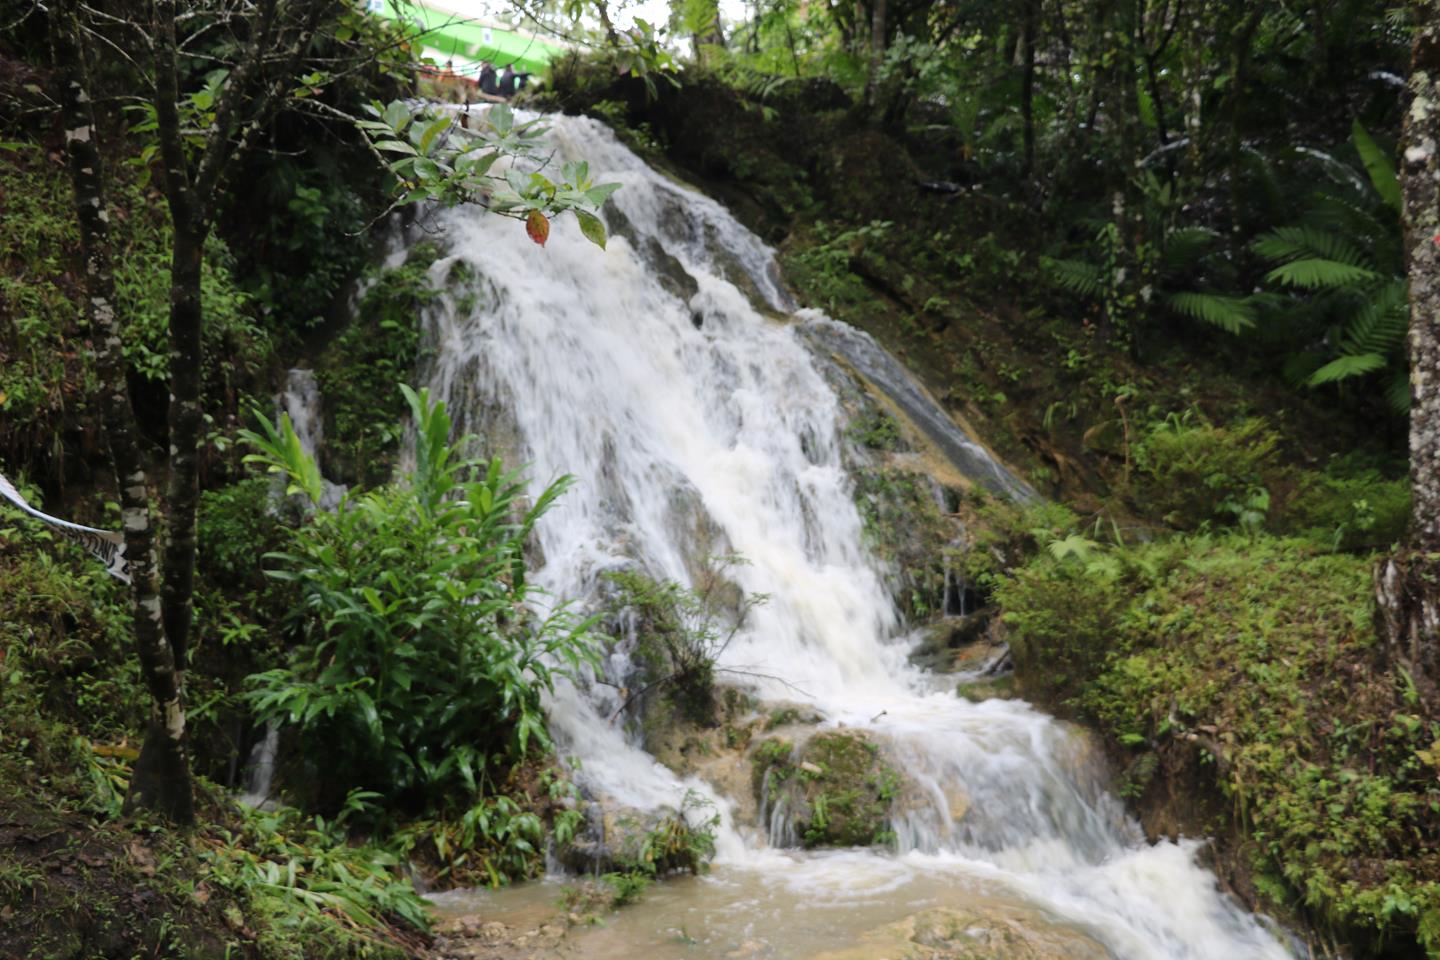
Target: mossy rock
column 834, row 791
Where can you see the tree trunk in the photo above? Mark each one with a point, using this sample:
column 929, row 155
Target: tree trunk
column 1027, row 83
column 1407, row 585
column 161, row 780
column 877, row 48
column 1418, row 171
column 186, row 419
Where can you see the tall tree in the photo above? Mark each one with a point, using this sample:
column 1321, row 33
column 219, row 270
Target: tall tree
column 162, row 780
column 1408, row 584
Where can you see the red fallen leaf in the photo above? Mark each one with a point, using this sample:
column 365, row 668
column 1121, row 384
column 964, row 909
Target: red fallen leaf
column 538, row 227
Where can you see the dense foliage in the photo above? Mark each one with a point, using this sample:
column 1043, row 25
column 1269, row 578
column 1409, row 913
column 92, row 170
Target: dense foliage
column 422, row 660
column 1251, row 664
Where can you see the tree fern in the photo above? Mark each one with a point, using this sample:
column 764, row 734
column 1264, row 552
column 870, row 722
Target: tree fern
column 1313, row 273
column 1346, row 366
column 1231, row 314
column 1309, row 243
column 1077, row 276
column 1344, row 268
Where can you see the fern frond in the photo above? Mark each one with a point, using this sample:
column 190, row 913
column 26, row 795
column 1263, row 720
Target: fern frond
column 1350, row 365
column 1300, row 367
column 1186, row 247
column 1379, row 165
column 1077, row 276
column 1381, row 324
column 1397, row 390
column 1308, row 243
column 1316, row 274
column 1231, row 314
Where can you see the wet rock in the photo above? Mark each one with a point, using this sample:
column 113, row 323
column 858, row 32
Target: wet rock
column 835, row 790
column 958, row 643
column 945, row 933
column 990, row 688
column 620, row 839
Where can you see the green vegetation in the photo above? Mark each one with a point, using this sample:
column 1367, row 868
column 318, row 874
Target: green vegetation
column 420, row 670
column 837, row 790
column 904, row 526
column 358, row 370
column 76, row 879
column 1249, row 665
column 680, row 634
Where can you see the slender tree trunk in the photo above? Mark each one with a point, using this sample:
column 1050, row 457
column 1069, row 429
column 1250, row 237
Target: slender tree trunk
column 877, row 48
column 1027, row 83
column 1407, row 585
column 161, row 780
column 1418, row 172
column 186, row 419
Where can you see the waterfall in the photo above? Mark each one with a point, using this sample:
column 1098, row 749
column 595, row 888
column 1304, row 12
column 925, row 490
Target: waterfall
column 672, row 376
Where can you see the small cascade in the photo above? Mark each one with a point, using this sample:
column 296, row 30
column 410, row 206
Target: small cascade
column 670, row 374
column 300, row 399
column 260, row 769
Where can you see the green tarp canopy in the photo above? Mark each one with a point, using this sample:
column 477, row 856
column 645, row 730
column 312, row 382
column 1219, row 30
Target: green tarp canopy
column 469, row 42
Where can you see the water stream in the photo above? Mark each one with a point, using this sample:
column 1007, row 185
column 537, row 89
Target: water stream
column 671, row 375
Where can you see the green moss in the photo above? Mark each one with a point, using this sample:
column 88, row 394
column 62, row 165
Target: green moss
column 838, row 789
column 364, row 412
column 47, row 374
column 903, row 525
column 876, row 430
column 1253, row 662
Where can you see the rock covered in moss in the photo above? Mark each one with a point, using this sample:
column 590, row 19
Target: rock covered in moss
column 834, row 790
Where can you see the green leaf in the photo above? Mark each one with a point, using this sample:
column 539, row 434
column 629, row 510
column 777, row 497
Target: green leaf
column 1316, row 274
column 397, row 116
column 395, row 146
column 1231, row 314
column 592, row 227
column 1343, row 368
column 1379, row 165
column 599, row 194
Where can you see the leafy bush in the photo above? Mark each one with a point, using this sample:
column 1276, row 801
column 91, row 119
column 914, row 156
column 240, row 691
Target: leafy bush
column 423, row 664
column 1348, row 511
column 1193, row 472
column 363, row 413
column 303, row 871
column 680, row 633
column 1250, row 662
column 65, row 644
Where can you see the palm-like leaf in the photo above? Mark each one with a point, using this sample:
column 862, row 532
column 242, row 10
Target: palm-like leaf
column 1313, row 273
column 1379, row 165
column 1308, row 243
column 1077, row 276
column 1231, row 314
column 1346, row 366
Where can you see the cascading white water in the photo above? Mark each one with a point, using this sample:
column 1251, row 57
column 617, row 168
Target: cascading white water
column 697, row 424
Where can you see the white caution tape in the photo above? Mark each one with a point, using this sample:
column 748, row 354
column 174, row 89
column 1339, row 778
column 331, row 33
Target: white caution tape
column 105, row 544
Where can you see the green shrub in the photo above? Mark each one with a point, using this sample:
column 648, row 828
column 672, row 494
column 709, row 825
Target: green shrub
column 1348, row 512
column 379, row 348
column 1252, row 661
column 1193, row 472
column 422, row 665
column 65, row 641
column 680, row 633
